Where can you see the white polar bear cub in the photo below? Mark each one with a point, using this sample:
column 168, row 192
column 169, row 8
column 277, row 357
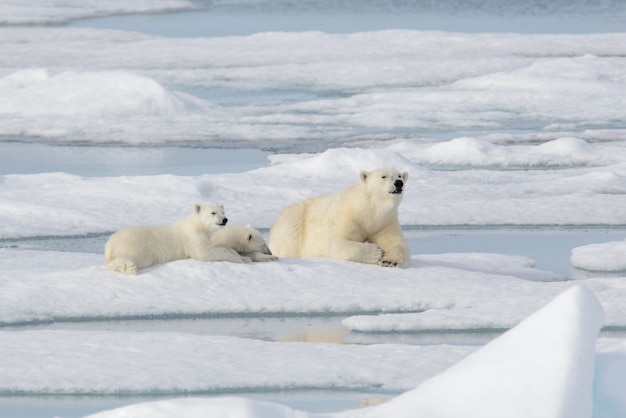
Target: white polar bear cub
column 244, row 240
column 359, row 224
column 137, row 247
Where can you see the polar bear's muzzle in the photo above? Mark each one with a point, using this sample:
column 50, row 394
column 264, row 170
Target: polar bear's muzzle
column 224, row 221
column 399, row 184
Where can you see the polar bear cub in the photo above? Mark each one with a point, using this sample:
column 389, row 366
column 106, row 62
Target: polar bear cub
column 244, row 240
column 137, row 247
column 359, row 224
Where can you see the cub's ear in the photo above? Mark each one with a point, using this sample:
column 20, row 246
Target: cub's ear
column 364, row 175
column 197, row 208
column 405, row 176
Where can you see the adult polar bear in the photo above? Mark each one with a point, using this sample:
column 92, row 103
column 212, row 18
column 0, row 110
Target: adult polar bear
column 137, row 247
column 359, row 224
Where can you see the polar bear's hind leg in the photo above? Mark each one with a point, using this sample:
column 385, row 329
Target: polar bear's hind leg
column 123, row 265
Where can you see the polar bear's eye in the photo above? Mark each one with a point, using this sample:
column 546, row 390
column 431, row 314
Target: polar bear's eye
column 383, row 177
column 213, row 213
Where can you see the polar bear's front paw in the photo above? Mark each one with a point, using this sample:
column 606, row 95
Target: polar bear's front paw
column 373, row 254
column 265, row 257
column 388, row 261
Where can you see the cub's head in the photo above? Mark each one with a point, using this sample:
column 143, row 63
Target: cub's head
column 254, row 241
column 211, row 216
column 385, row 182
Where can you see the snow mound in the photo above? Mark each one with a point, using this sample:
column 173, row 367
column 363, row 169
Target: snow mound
column 75, row 103
column 475, row 152
column 542, row 368
column 346, row 162
column 31, row 93
column 607, row 257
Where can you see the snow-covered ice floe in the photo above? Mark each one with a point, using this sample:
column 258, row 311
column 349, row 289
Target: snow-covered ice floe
column 291, row 90
column 609, row 257
column 66, row 204
column 68, row 286
column 16, row 12
column 544, row 367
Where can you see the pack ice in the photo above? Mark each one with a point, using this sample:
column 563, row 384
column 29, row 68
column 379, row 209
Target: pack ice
column 544, row 367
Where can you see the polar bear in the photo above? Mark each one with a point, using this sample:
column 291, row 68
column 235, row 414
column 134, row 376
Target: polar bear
column 244, row 240
column 137, row 247
column 359, row 224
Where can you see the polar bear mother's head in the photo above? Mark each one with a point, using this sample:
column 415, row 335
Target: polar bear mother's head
column 211, row 216
column 385, row 181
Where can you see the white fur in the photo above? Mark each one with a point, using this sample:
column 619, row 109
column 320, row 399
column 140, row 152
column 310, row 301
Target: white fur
column 245, row 240
column 359, row 224
column 137, row 247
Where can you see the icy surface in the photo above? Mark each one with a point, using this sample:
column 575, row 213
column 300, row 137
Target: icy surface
column 148, row 363
column 72, row 205
column 311, row 90
column 67, row 285
column 495, row 129
column 16, row 12
column 607, row 257
column 610, row 385
column 543, row 368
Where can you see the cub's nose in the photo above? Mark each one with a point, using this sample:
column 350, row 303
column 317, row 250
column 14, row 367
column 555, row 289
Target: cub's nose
column 224, row 221
column 398, row 183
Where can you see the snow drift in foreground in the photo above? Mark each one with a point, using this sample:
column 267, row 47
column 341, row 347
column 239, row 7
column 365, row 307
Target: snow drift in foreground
column 544, row 367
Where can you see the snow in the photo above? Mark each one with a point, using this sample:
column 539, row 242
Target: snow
column 495, row 130
column 309, row 89
column 78, row 286
column 544, row 367
column 171, row 363
column 80, row 205
column 16, row 12
column 606, row 257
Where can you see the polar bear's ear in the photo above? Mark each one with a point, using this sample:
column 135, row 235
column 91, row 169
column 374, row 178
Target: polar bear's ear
column 364, row 175
column 405, row 176
column 197, row 208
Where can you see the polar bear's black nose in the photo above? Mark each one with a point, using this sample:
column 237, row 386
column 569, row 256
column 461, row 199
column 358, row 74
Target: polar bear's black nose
column 398, row 184
column 224, row 221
